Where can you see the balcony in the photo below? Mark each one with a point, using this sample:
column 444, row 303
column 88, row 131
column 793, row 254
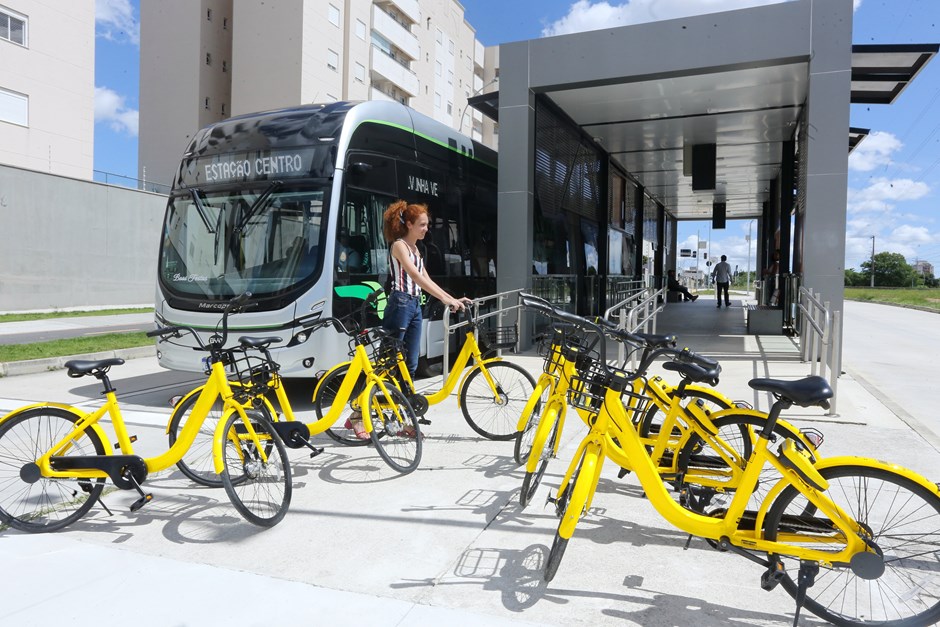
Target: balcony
column 409, row 7
column 479, row 54
column 385, row 68
column 388, row 28
column 375, row 94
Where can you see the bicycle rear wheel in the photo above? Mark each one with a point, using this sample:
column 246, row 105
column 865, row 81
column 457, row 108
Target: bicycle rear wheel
column 395, row 430
column 523, row 445
column 904, row 520
column 259, row 487
column 530, row 482
column 496, row 416
column 38, row 504
column 197, row 462
column 323, row 401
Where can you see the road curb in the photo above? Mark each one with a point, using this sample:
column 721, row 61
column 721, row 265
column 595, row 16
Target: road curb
column 34, row 366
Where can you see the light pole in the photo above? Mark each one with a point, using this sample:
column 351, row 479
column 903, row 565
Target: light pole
column 749, row 256
column 872, row 268
column 464, row 112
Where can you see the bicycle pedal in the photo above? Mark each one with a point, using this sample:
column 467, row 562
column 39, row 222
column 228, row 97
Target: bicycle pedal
column 316, row 450
column 623, row 473
column 132, row 438
column 423, row 421
column 771, row 577
column 136, row 505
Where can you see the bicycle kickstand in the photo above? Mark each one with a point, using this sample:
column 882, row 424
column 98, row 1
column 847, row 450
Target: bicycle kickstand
column 805, row 579
column 145, row 497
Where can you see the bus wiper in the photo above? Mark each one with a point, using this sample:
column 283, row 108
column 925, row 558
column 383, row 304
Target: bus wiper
column 256, row 206
column 201, row 208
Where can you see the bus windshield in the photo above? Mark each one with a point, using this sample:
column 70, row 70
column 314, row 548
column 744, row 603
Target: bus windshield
column 266, row 240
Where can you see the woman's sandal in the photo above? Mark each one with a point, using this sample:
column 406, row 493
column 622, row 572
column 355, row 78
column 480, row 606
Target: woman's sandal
column 354, row 422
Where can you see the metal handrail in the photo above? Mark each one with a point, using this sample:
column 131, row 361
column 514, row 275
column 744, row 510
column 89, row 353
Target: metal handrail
column 500, row 311
column 821, row 339
column 629, row 317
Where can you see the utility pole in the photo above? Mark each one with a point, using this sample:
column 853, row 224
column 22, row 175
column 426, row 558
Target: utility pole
column 872, row 268
column 749, row 257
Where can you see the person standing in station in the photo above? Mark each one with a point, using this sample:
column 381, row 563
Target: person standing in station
column 722, row 275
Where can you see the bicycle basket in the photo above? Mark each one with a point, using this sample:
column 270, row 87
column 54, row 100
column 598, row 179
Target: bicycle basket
column 384, row 352
column 500, row 337
column 251, row 368
column 590, row 383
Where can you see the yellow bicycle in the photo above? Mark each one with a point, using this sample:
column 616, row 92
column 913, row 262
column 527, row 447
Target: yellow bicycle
column 863, row 536
column 491, row 394
column 55, row 458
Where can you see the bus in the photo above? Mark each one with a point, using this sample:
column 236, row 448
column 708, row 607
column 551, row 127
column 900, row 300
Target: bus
column 288, row 205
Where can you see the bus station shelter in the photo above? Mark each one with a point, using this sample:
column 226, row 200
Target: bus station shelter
column 608, row 138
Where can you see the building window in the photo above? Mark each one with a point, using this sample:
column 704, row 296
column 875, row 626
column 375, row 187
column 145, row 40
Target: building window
column 450, row 77
column 13, row 27
column 440, row 36
column 224, row 65
column 437, row 68
column 450, row 47
column 333, row 15
column 209, row 14
column 437, row 100
column 208, row 58
column 14, row 107
column 332, row 60
column 361, row 30
column 223, row 108
column 360, row 73
column 224, row 23
column 208, row 108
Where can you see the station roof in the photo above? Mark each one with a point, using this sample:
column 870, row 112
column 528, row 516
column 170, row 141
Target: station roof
column 748, row 112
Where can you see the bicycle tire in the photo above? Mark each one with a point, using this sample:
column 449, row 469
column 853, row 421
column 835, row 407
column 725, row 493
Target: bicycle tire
column 260, row 490
column 523, row 438
column 904, row 519
column 530, row 482
column 46, row 504
column 398, row 441
column 323, row 401
column 197, row 462
column 739, row 432
column 575, row 500
column 496, row 420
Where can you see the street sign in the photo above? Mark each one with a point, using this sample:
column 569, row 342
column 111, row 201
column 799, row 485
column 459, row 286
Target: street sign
column 685, row 252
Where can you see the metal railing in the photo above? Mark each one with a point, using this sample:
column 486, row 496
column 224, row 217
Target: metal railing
column 502, row 308
column 560, row 290
column 637, row 312
column 119, row 180
column 821, row 340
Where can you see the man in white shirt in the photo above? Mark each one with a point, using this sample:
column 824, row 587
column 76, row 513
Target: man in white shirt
column 722, row 275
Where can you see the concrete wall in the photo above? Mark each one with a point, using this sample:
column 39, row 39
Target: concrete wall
column 66, row 242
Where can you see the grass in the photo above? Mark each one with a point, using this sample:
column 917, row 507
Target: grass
column 73, row 346
column 916, row 297
column 20, row 317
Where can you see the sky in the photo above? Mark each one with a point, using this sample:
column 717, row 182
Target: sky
column 894, row 174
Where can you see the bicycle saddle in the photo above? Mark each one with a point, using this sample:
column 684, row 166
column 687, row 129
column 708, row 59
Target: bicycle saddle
column 805, row 392
column 257, row 342
column 81, row 367
column 693, row 372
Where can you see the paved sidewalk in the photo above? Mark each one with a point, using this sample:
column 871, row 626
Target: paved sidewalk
column 448, row 544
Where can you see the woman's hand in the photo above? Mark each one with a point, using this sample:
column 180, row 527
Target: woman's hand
column 458, row 304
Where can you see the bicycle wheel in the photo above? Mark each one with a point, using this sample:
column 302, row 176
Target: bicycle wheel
column 43, row 504
column 571, row 501
column 323, row 402
column 260, row 490
column 904, row 520
column 496, row 417
column 699, row 459
column 532, row 479
column 524, row 437
column 197, row 462
column 396, row 435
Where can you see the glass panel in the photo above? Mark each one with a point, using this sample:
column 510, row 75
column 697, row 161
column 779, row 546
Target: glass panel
column 261, row 240
column 18, row 31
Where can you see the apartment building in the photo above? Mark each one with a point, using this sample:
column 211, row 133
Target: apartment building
column 206, row 60
column 47, row 79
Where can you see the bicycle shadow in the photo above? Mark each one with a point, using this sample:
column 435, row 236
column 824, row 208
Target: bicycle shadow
column 492, row 505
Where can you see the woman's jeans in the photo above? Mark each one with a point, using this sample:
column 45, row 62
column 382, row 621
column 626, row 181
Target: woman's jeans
column 403, row 315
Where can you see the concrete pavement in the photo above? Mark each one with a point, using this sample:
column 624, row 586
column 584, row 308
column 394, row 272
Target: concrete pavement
column 446, row 544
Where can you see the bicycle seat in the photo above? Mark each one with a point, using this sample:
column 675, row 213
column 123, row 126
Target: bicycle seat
column 657, row 341
column 805, row 392
column 693, row 372
column 257, row 342
column 81, row 367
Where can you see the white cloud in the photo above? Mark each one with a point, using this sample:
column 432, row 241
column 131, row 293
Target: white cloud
column 881, row 194
column 111, row 109
column 114, row 20
column 585, row 15
column 875, row 151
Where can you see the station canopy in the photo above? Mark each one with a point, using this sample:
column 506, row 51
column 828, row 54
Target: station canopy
column 649, row 126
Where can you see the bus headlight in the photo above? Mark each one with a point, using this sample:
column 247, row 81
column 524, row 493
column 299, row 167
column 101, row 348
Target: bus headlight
column 299, row 338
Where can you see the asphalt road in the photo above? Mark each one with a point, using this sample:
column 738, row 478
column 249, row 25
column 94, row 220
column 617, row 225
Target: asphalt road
column 31, row 331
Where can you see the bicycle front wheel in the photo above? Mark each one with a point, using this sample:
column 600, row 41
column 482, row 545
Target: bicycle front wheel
column 904, row 520
column 496, row 416
column 395, row 431
column 571, row 502
column 197, row 462
column 525, row 436
column 323, row 401
column 546, row 450
column 259, row 486
column 28, row 501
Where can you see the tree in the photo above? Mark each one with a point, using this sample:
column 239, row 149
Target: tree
column 854, row 278
column 891, row 270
